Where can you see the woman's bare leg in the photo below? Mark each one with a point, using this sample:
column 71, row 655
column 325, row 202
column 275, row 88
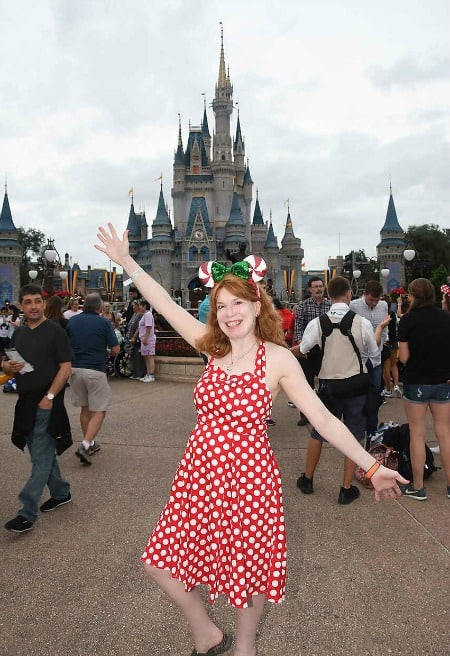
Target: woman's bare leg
column 247, row 622
column 204, row 632
column 441, row 420
column 416, row 414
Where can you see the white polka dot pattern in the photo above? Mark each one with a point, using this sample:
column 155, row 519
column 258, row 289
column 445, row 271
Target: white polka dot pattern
column 223, row 525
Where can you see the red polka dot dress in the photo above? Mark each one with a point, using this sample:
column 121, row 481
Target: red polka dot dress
column 223, row 525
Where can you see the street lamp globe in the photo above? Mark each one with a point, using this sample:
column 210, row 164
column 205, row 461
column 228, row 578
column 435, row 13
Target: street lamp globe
column 357, row 274
column 409, row 254
column 50, row 255
column 32, row 274
column 63, row 275
column 385, row 272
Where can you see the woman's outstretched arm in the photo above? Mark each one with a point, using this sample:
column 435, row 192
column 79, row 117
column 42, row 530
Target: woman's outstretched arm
column 117, row 249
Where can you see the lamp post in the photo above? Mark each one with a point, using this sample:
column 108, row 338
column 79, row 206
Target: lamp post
column 50, row 259
column 356, row 274
column 409, row 254
column 384, row 276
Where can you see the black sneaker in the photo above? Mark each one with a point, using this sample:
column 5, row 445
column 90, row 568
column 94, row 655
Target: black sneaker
column 84, row 455
column 18, row 525
column 302, row 421
column 270, row 422
column 348, row 495
column 305, row 484
column 94, row 448
column 414, row 493
column 52, row 503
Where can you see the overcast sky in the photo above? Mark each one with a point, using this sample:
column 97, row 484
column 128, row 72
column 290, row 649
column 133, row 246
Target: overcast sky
column 336, row 98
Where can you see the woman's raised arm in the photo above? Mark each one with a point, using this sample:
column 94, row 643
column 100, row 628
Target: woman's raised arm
column 117, row 249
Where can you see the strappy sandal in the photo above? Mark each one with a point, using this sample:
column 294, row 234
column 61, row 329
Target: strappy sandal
column 221, row 648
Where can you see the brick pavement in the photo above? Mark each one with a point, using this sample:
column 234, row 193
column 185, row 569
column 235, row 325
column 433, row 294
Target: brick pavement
column 367, row 578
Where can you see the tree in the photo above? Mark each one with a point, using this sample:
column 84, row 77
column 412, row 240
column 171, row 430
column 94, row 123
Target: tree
column 438, row 277
column 32, row 242
column 432, row 246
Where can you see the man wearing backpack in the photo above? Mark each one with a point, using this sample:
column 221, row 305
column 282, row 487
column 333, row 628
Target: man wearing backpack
column 343, row 379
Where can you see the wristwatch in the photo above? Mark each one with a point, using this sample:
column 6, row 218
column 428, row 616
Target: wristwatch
column 50, row 396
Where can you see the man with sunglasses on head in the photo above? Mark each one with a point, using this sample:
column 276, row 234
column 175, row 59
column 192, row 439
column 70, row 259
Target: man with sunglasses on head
column 312, row 307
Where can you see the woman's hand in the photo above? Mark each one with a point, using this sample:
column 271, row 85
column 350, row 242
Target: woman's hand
column 115, row 248
column 385, row 482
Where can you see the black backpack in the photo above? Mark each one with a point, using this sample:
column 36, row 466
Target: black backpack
column 398, row 438
column 353, row 385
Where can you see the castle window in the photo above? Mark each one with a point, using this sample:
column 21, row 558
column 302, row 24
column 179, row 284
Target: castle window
column 193, row 254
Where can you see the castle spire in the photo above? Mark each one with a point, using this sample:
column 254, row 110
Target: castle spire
column 179, row 153
column 222, row 81
column 6, row 220
column 391, row 223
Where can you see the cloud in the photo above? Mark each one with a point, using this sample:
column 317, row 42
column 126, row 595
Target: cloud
column 409, row 72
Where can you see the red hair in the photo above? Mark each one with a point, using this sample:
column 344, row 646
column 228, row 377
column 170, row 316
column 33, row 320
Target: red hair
column 268, row 323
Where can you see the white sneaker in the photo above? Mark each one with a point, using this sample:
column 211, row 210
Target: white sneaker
column 397, row 391
column 149, row 378
column 386, row 393
column 435, row 449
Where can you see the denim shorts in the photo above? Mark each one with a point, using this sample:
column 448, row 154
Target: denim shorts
column 415, row 393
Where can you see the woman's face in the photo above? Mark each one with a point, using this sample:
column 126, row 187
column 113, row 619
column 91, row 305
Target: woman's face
column 236, row 317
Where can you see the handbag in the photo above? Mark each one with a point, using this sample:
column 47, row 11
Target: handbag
column 385, row 455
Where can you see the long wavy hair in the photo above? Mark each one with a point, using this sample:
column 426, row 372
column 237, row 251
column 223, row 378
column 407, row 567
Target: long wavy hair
column 268, row 323
column 422, row 292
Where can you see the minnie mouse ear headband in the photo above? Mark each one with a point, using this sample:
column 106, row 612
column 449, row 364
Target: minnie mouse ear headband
column 252, row 268
column 445, row 289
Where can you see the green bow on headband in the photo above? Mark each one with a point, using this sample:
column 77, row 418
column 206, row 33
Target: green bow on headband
column 239, row 269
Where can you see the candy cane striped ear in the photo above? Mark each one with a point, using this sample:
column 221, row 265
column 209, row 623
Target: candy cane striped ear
column 205, row 275
column 257, row 266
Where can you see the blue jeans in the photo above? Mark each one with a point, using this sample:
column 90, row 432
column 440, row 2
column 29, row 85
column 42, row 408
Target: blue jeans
column 375, row 380
column 45, row 469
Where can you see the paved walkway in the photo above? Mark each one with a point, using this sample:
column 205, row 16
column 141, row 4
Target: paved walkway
column 365, row 579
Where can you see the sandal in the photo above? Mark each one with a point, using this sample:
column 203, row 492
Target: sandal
column 221, row 648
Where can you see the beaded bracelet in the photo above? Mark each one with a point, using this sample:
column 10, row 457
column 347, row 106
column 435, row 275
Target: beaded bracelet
column 134, row 275
column 370, row 472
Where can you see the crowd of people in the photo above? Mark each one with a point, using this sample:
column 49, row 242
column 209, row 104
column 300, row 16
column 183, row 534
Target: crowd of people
column 223, row 525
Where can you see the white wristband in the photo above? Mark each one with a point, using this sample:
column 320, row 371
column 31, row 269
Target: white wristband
column 132, row 277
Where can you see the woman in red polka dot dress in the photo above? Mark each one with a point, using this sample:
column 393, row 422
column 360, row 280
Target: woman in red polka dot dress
column 223, row 525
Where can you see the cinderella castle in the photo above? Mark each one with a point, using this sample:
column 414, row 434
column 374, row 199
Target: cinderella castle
column 212, row 197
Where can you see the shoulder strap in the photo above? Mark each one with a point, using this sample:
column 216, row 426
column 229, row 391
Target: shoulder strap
column 345, row 327
column 326, row 326
column 347, row 321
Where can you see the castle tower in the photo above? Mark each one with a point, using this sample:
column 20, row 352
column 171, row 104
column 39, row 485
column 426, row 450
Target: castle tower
column 206, row 135
column 239, row 154
column 235, row 227
column 11, row 253
column 162, row 244
column 222, row 165
column 391, row 247
column 258, row 230
column 291, row 256
column 270, row 253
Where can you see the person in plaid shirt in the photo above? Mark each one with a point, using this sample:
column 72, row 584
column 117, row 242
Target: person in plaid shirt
column 309, row 309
